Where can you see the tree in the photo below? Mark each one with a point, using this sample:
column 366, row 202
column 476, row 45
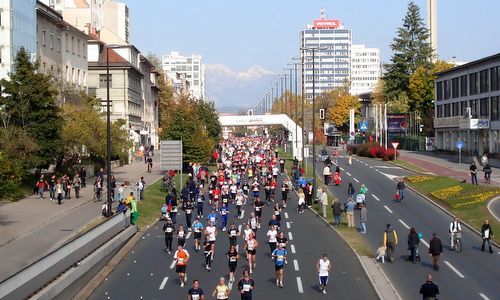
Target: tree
column 208, row 113
column 337, row 103
column 411, row 50
column 421, row 92
column 29, row 102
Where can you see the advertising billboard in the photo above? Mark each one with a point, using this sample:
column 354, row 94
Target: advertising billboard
column 397, row 123
column 326, row 24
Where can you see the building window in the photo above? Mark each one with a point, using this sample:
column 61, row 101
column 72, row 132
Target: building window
column 73, row 45
column 463, row 86
column 473, row 108
column 483, row 108
column 447, row 112
column 102, row 80
column 44, row 37
column 455, row 109
column 484, row 81
column 495, row 78
column 67, row 42
column 439, row 90
column 446, row 88
column 51, row 41
column 58, row 45
column 463, row 108
column 79, row 47
column 454, row 88
column 473, row 83
column 439, row 111
column 495, row 108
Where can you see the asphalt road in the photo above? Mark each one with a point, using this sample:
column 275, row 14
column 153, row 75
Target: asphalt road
column 147, row 272
column 471, row 274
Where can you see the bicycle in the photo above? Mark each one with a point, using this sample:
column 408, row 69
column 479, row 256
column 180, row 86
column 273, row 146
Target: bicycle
column 97, row 197
column 457, row 242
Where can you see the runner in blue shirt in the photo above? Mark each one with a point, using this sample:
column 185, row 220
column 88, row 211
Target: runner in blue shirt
column 212, row 217
column 197, row 229
column 279, row 256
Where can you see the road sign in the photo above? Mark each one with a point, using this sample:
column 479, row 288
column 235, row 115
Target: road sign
column 459, row 144
column 363, row 126
column 395, row 145
column 171, row 155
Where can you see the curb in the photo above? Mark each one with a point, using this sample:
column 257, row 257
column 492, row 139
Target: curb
column 489, row 208
column 450, row 214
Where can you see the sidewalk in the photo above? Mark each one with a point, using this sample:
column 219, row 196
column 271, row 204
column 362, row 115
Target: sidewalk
column 447, row 165
column 33, row 227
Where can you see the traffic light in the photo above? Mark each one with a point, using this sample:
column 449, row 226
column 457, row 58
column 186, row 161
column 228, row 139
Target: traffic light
column 321, row 114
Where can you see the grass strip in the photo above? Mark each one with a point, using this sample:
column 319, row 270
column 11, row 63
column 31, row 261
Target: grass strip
column 408, row 165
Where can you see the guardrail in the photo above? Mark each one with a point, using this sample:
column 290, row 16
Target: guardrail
column 34, row 277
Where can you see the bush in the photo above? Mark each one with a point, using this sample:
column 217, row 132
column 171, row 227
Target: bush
column 389, row 154
column 353, row 148
column 364, row 149
column 377, row 152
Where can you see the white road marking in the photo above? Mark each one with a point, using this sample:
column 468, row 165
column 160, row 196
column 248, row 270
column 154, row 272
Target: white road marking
column 391, row 177
column 288, row 225
column 454, row 269
column 290, row 236
column 388, row 209
column 163, row 283
column 341, row 168
column 348, row 174
column 242, row 213
column 483, row 296
column 230, row 285
column 425, row 243
column 295, row 265
column 371, row 167
column 355, row 179
column 292, row 248
column 299, row 285
column 172, row 265
column 375, row 197
column 286, row 215
column 188, row 235
column 404, row 224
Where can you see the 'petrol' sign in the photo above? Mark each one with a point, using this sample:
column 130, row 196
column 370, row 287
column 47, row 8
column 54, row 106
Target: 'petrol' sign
column 326, row 24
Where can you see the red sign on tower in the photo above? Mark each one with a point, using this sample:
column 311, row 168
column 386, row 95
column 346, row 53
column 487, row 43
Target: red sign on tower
column 326, row 24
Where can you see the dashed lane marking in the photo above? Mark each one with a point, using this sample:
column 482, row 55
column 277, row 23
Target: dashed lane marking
column 454, row 269
column 342, row 169
column 290, row 236
column 188, row 235
column 288, row 225
column 295, row 265
column 425, row 243
column 242, row 213
column 239, row 228
column 172, row 265
column 163, row 283
column 483, row 296
column 388, row 209
column 292, row 248
column 375, row 197
column 299, row 285
column 355, row 179
column 286, row 215
column 404, row 224
column 348, row 174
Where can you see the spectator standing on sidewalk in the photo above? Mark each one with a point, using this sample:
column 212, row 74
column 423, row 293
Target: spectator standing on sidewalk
column 435, row 250
column 83, row 176
column 134, row 213
column 487, row 173
column 486, row 234
column 390, row 241
column 473, row 173
column 337, row 211
column 349, row 210
column 327, row 172
column 429, row 289
column 41, row 184
column 362, row 219
column 150, row 164
column 76, row 185
column 324, row 203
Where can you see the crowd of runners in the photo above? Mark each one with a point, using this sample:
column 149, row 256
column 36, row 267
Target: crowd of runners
column 246, row 178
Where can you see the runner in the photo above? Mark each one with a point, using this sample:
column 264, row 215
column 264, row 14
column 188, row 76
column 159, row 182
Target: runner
column 252, row 245
column 181, row 236
column 254, row 223
column 197, row 228
column 232, row 256
column 277, row 212
column 239, row 203
column 169, row 230
column 210, row 236
column 258, row 205
column 224, row 212
column 189, row 213
column 272, row 234
column 207, row 250
column 196, row 293
column 200, row 199
column 279, row 256
column 212, row 216
column 221, row 291
column 233, row 234
column 246, row 286
column 246, row 235
column 323, row 266
column 284, row 192
column 182, row 258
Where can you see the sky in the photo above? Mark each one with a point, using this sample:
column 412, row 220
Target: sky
column 246, row 44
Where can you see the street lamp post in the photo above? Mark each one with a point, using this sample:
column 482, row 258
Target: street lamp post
column 296, row 108
column 314, row 50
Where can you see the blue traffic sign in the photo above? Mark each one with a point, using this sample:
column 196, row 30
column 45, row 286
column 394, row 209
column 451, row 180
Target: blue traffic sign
column 459, row 144
column 363, row 126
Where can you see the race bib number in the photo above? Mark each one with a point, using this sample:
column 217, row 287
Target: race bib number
column 280, row 258
column 246, row 287
column 232, row 259
column 276, row 212
column 257, row 209
column 195, row 297
column 169, row 230
column 188, row 211
column 180, row 260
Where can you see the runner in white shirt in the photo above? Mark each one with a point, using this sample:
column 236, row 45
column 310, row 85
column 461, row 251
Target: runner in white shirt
column 272, row 234
column 211, row 234
column 323, row 266
column 246, row 235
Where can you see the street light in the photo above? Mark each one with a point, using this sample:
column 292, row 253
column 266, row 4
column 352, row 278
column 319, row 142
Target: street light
column 108, row 132
column 314, row 50
column 295, row 64
column 289, row 100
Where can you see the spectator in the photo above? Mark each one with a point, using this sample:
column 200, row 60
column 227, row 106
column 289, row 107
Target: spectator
column 337, row 211
column 429, row 289
column 486, row 234
column 435, row 250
